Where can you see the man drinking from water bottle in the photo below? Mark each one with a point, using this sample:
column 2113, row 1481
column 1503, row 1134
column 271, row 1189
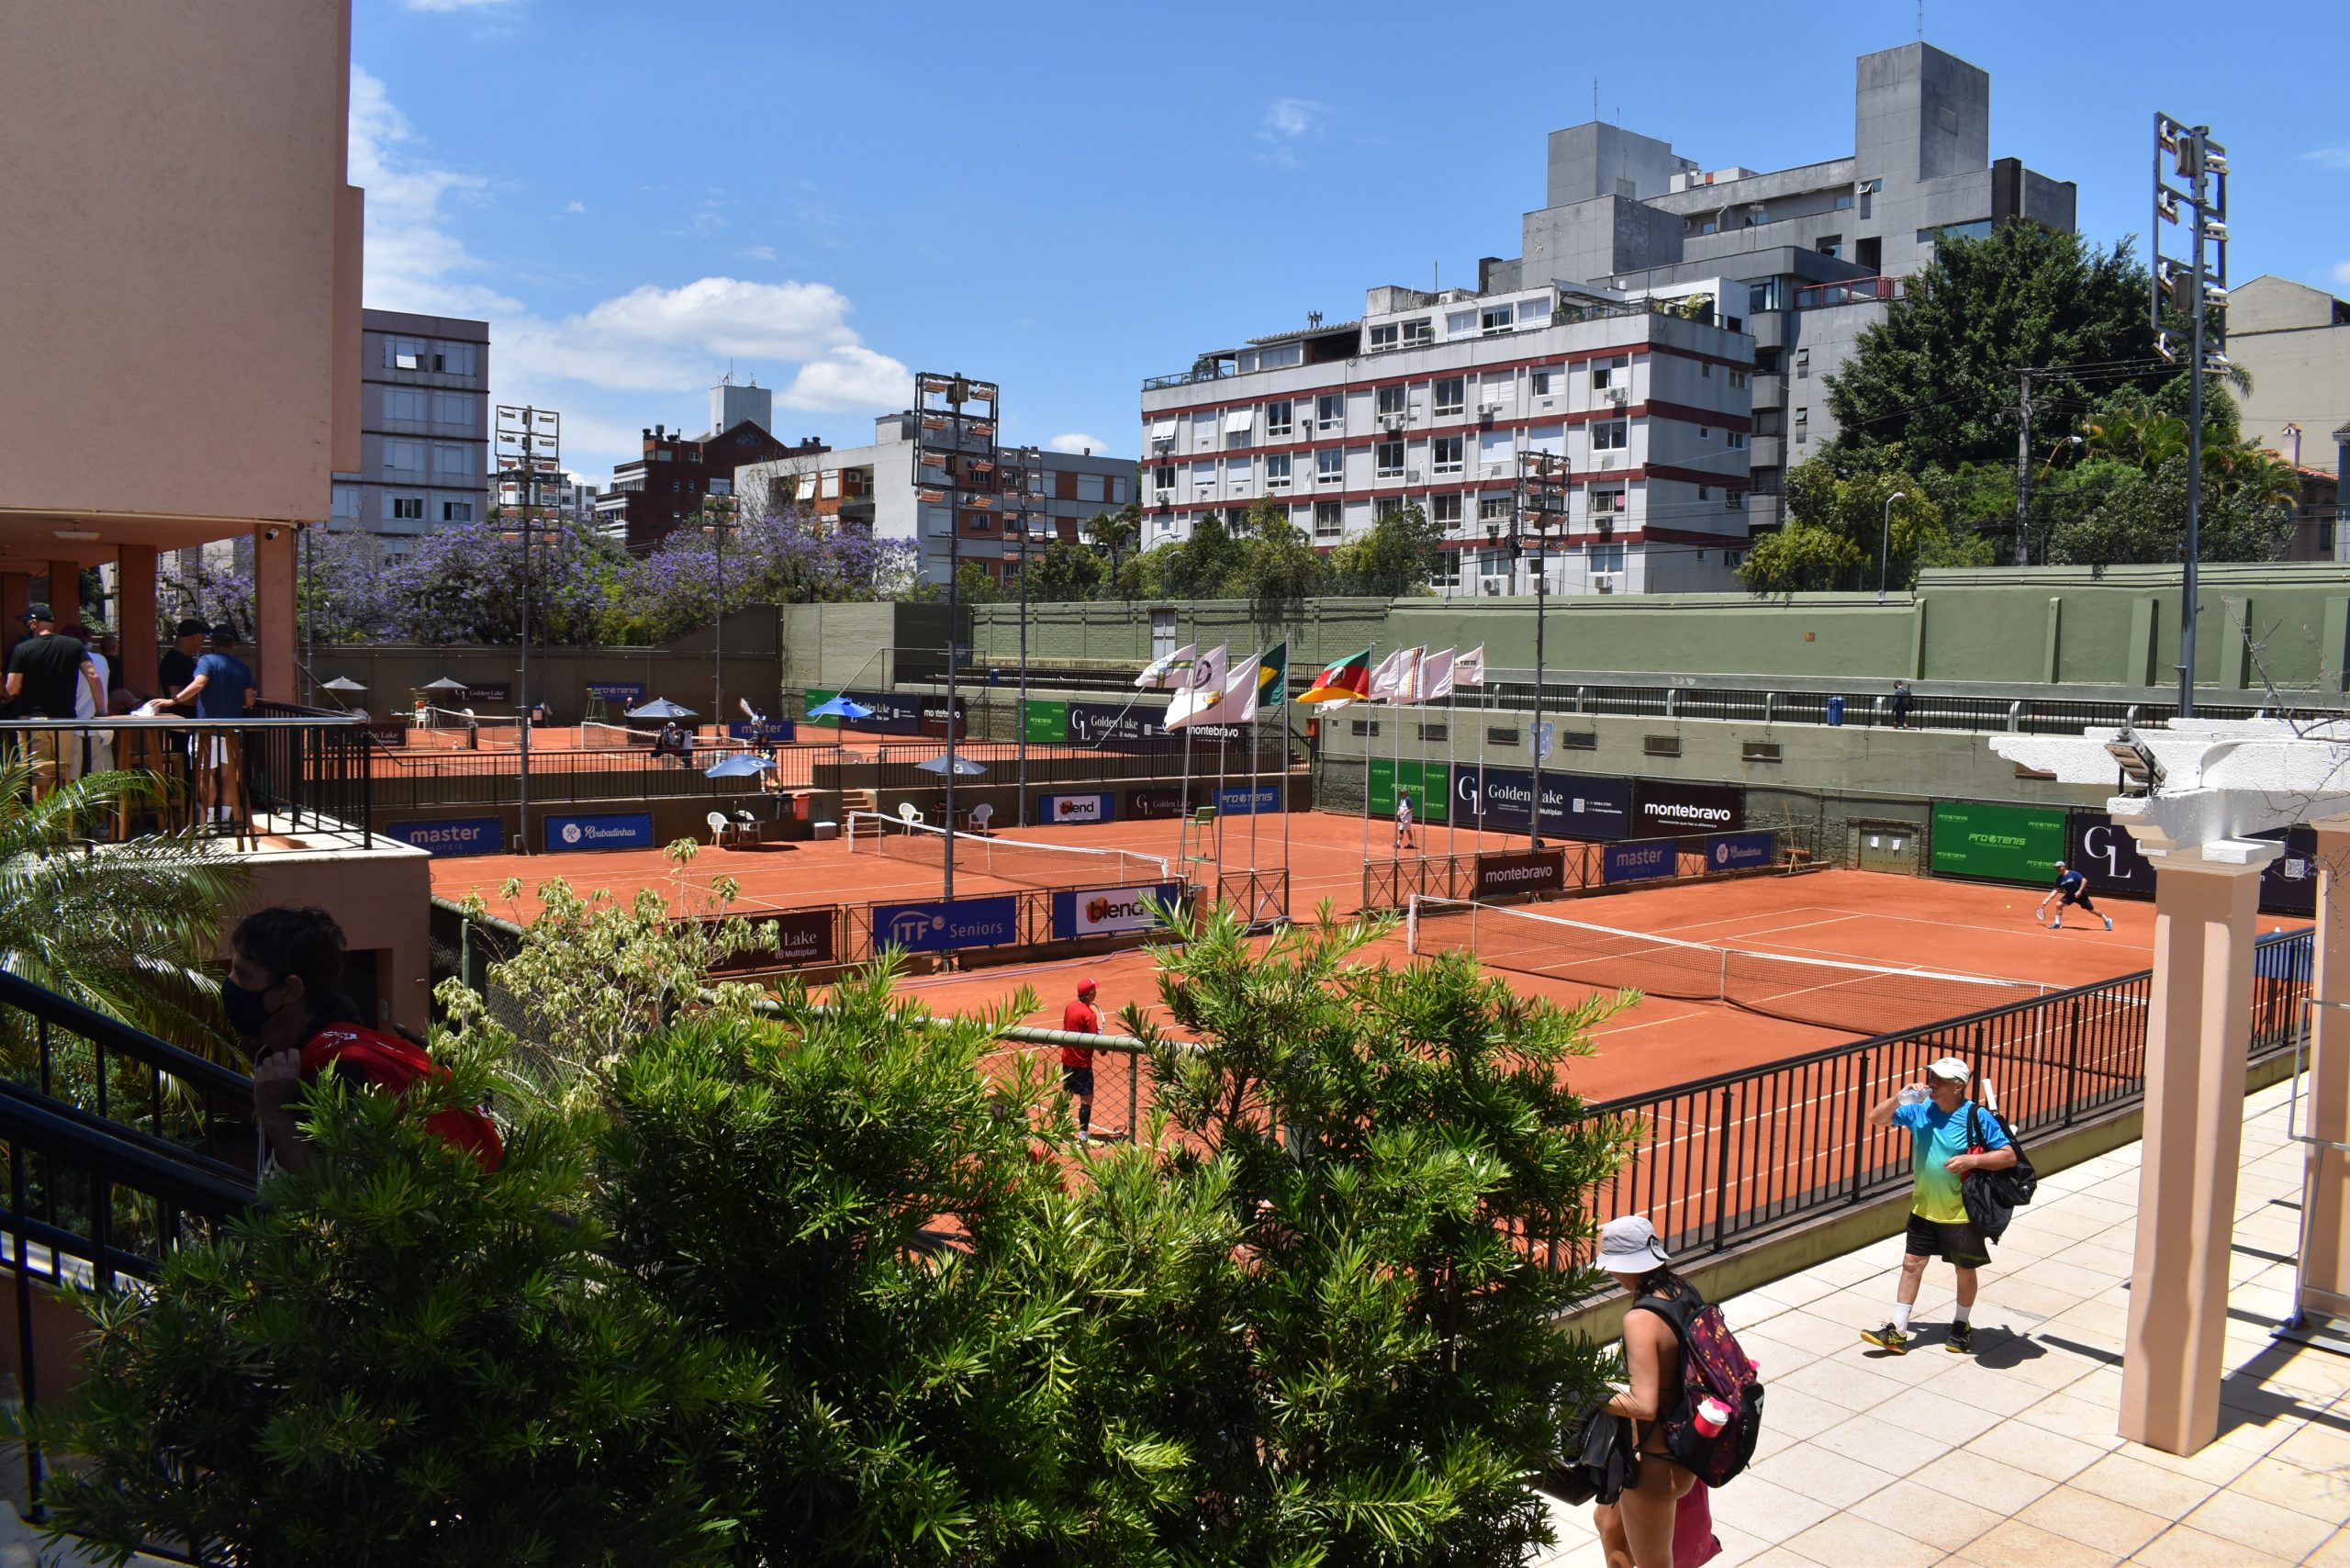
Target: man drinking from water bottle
column 1935, row 1113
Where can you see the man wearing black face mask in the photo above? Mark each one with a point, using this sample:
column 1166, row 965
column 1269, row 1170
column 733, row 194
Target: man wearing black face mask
column 282, row 967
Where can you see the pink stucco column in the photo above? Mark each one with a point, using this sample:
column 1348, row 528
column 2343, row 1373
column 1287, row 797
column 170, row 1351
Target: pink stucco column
column 2173, row 1355
column 2326, row 1254
column 273, row 620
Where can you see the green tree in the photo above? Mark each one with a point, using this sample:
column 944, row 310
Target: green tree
column 1064, row 572
column 1202, row 565
column 1932, row 379
column 1278, row 565
column 1397, row 559
column 2134, row 515
column 973, row 585
column 1116, row 533
column 132, row 931
column 1834, row 536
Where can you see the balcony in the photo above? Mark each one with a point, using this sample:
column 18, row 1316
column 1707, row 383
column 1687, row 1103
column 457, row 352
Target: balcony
column 1856, row 291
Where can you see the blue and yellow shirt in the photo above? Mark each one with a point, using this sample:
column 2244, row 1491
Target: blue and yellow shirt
column 1934, row 1137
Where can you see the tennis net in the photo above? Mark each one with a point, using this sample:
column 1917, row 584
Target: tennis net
column 1863, row 999
column 596, row 735
column 1007, row 859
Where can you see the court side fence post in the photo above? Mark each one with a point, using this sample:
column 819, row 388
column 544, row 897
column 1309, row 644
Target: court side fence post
column 1727, row 1104
column 1134, row 1072
column 2072, row 1060
column 1861, row 1120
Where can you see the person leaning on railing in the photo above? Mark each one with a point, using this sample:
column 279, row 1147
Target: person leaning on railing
column 47, row 671
column 222, row 688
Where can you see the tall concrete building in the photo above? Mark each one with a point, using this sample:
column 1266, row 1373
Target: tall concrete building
column 1817, row 250
column 654, row 494
column 424, row 429
column 2294, row 341
column 873, row 489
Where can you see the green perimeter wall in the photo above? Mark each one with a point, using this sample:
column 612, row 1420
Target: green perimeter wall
column 2115, row 630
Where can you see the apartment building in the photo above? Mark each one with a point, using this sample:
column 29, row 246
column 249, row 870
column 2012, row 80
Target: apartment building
column 1816, row 251
column 1431, row 397
column 424, row 429
column 874, row 488
column 656, row 493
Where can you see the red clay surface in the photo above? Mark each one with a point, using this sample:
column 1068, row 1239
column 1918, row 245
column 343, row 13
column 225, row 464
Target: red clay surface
column 1872, row 918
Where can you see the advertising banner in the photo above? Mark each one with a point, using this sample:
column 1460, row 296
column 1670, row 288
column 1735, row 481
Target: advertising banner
column 468, row 835
column 1115, row 724
column 2289, row 885
column 382, row 734
column 1638, row 860
column 1574, row 805
column 620, row 832
column 2004, row 843
column 1522, row 873
column 631, row 692
column 1156, row 802
column 1045, row 722
column 1266, row 801
column 1740, row 851
column 1106, row 911
column 1663, row 807
column 1423, row 786
column 2102, row 850
column 941, row 927
column 1100, row 806
column 802, row 937
column 497, row 692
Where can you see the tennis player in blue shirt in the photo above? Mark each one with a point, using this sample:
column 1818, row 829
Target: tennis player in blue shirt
column 2074, row 888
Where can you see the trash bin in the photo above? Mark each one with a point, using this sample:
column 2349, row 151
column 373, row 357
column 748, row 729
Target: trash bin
column 1835, row 710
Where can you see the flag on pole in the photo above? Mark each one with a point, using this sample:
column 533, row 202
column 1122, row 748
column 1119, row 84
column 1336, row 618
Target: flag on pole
column 1469, row 669
column 1272, row 677
column 1155, row 674
column 1240, row 691
column 1343, row 680
column 1393, row 681
column 1436, row 674
column 1199, row 690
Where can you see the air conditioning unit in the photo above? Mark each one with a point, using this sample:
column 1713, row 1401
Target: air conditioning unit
column 1616, row 394
column 1494, row 587
column 1546, row 401
column 1607, row 459
column 1411, row 476
column 1391, row 422
column 1603, row 582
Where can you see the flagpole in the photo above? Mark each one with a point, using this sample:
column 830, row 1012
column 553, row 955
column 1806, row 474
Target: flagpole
column 1451, row 791
column 1369, row 746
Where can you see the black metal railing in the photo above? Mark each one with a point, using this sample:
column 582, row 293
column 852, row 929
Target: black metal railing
column 1391, row 884
column 1736, row 1157
column 310, row 769
column 899, row 765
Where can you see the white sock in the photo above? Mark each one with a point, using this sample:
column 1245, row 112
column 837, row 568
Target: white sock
column 1960, row 1313
column 1901, row 1316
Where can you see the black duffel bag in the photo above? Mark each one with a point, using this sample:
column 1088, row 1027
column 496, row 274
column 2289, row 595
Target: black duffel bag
column 1992, row 1197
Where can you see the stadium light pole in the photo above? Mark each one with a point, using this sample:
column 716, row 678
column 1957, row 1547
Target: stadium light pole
column 959, row 412
column 1884, row 542
column 528, row 443
column 1031, row 473
column 718, row 515
column 1542, row 481
column 2196, row 288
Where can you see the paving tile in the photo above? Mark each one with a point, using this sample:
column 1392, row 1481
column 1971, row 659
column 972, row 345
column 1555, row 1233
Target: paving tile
column 2098, row 1255
column 1846, row 1385
column 1987, row 1482
column 2101, row 1323
column 1930, row 1513
column 1765, row 1510
column 2166, row 1493
column 1955, row 1421
column 2029, row 1362
column 2218, row 1462
column 1848, row 1537
column 1780, row 1557
column 1815, row 1335
column 1797, row 1414
column 1849, row 1269
column 2320, row 1495
column 2334, row 1553
column 2183, row 1546
column 1882, row 1445
column 2057, row 1275
column 2017, row 1543
column 1774, row 1357
column 2094, row 1521
column 1737, row 1546
column 2003, row 1390
column 1826, row 1476
column 1859, row 1307
column 2261, row 1525
column 2036, row 1450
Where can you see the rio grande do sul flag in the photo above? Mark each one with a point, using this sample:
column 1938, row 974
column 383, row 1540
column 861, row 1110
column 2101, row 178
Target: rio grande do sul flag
column 1342, row 680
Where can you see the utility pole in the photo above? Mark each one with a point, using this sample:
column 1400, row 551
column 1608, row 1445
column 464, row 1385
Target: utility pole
column 2197, row 289
column 529, row 444
column 2023, row 467
column 1032, row 470
column 1543, row 478
column 955, row 432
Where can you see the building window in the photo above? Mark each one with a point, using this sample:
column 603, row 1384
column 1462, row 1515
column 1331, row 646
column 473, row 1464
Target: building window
column 1281, row 417
column 1330, row 466
column 1734, row 500
column 1385, row 338
column 451, row 458
column 1445, row 510
column 345, row 503
column 456, row 511
column 1236, row 473
column 453, row 409
column 1451, row 393
column 1704, row 492
column 1390, row 402
column 1766, row 294
column 407, row 403
column 1387, row 459
column 1419, row 332
column 454, row 359
column 408, row 509
column 1606, row 557
column 1444, row 453
column 1607, row 503
column 1735, row 439
column 1830, row 245
column 404, row 354
column 1611, row 435
column 1705, row 370
column 1541, row 383
column 1844, row 202
column 1203, row 478
column 1162, row 478
column 1494, row 509
column 1331, row 411
column 404, row 456
column 1496, row 318
column 1604, row 373
column 1459, row 323
column 1705, row 433
column 1329, row 520
column 1276, row 471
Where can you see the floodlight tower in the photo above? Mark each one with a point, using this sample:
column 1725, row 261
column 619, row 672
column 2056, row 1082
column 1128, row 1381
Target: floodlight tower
column 2197, row 288
column 529, row 447
column 955, row 467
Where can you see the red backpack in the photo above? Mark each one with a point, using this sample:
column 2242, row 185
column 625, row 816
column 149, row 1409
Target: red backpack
column 1712, row 1366
column 391, row 1064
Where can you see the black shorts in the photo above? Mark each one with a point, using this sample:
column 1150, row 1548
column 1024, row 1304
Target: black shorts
column 2076, row 896
column 1078, row 1081
column 1962, row 1245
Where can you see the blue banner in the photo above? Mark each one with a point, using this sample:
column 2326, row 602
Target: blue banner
column 1574, row 805
column 1740, row 851
column 1241, row 802
column 629, row 691
column 1637, row 861
column 470, row 835
column 1095, row 806
column 1108, row 911
column 779, row 732
column 940, row 927
column 632, row 832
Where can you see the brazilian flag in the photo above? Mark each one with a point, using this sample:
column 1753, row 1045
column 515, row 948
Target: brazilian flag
column 1272, row 677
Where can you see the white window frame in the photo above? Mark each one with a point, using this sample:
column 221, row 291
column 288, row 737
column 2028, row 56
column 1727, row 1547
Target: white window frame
column 1323, row 419
column 1611, row 435
column 1419, row 332
column 1382, row 467
column 1444, row 454
column 1336, row 513
column 1276, row 471
column 1386, row 337
column 1393, row 402
column 1330, row 465
column 1445, row 509
column 1281, row 417
column 1496, row 320
column 1458, row 401
column 394, row 504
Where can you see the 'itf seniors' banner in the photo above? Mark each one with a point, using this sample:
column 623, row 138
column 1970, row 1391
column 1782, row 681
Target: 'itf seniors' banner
column 940, row 927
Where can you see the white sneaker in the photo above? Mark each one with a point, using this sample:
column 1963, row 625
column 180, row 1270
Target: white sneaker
column 2108, row 923
column 2057, row 923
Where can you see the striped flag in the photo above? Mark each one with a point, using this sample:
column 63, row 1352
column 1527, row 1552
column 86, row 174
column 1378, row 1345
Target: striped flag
column 1341, row 680
column 1155, row 674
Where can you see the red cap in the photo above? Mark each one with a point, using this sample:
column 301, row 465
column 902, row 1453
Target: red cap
column 1085, row 985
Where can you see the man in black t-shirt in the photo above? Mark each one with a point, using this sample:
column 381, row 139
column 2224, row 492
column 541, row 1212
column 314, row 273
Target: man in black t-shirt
column 41, row 675
column 177, row 666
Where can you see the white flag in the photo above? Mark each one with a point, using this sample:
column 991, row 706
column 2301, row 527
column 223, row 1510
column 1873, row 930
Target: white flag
column 1240, row 691
column 1199, row 690
column 1436, row 674
column 1469, row 669
column 1155, row 674
column 1391, row 681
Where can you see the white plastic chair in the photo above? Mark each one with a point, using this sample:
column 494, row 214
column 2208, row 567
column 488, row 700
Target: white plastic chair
column 982, row 814
column 718, row 825
column 908, row 813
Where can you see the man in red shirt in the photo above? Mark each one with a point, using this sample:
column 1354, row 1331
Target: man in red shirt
column 1080, row 1017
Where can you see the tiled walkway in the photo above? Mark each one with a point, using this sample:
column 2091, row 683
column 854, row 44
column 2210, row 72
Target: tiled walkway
column 1873, row 1460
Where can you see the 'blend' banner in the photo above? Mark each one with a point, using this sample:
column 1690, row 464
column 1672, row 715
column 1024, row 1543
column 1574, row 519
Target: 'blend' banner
column 1665, row 807
column 1095, row 806
column 1574, row 805
column 1108, row 911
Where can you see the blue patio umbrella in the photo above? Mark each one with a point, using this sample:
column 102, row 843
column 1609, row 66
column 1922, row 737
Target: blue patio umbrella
column 841, row 707
column 964, row 767
column 660, row 708
column 742, row 765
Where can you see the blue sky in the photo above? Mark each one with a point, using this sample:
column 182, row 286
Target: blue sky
column 1069, row 199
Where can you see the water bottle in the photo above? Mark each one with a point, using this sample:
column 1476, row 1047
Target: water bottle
column 1914, row 1095
column 1710, row 1417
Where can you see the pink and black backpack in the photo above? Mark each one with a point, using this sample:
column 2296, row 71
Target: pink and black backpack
column 1712, row 1365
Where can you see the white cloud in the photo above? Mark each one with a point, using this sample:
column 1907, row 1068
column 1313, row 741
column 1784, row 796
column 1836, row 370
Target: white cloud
column 1286, row 124
column 575, row 207
column 848, row 379
column 1078, row 442
column 413, row 262
column 2335, row 157
column 2342, row 274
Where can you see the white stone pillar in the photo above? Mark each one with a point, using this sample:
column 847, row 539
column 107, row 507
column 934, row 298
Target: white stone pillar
column 2325, row 1251
column 2199, row 1033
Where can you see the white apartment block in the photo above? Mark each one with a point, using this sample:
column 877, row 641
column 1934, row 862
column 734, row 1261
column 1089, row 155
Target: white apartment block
column 873, row 489
column 1431, row 397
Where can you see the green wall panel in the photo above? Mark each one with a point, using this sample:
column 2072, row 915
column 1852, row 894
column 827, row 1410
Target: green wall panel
column 2009, row 844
